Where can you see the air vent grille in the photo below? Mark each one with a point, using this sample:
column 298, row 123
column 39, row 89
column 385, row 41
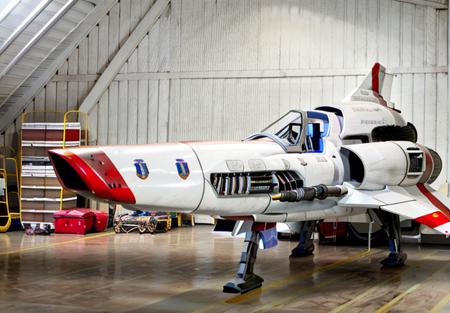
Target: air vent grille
column 247, row 183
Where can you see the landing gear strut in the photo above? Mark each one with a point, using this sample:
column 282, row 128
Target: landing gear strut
column 305, row 245
column 391, row 224
column 245, row 279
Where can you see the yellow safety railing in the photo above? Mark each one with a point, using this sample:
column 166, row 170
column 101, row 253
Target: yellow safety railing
column 7, row 155
column 4, row 228
column 66, row 117
column 15, row 215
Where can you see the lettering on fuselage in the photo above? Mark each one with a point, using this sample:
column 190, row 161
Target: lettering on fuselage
column 365, row 109
column 321, row 159
column 373, row 122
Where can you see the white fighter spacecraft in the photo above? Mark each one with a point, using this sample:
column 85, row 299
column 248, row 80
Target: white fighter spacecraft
column 359, row 156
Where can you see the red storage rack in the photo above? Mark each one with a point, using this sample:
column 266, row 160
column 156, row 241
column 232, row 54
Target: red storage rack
column 41, row 193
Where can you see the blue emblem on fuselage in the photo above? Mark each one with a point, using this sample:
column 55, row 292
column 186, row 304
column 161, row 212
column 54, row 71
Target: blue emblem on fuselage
column 182, row 168
column 141, row 169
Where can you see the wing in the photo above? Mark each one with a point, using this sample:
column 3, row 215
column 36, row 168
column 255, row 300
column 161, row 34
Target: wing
column 420, row 203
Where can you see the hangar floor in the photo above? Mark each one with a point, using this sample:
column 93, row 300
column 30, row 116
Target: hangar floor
column 184, row 270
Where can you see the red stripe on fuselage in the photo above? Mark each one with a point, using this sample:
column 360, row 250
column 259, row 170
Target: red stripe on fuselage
column 435, row 201
column 375, row 78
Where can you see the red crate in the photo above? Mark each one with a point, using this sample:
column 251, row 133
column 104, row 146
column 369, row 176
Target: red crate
column 101, row 221
column 331, row 230
column 74, row 221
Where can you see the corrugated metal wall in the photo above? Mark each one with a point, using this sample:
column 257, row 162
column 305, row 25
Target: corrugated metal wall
column 221, row 69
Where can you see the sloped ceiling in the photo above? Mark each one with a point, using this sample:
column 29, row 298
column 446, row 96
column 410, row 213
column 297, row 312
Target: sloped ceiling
column 35, row 39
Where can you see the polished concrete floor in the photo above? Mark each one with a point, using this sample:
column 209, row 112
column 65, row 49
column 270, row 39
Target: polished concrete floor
column 184, row 270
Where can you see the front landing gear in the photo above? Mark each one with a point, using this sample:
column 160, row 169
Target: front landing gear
column 305, row 245
column 391, row 224
column 245, row 279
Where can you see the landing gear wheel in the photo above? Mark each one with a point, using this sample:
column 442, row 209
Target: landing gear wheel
column 242, row 286
column 305, row 245
column 302, row 251
column 395, row 259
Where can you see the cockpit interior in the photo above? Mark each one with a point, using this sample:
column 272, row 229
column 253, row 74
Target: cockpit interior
column 297, row 131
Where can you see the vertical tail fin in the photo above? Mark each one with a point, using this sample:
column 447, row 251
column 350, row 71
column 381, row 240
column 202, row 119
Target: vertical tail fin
column 377, row 84
column 375, row 79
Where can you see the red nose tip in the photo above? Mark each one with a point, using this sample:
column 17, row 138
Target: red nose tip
column 90, row 171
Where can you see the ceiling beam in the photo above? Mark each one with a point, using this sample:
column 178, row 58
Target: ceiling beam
column 428, row 3
column 249, row 74
column 123, row 54
column 94, row 2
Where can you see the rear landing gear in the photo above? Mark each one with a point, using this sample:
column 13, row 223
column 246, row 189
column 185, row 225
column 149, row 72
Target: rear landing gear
column 305, row 245
column 245, row 279
column 391, row 224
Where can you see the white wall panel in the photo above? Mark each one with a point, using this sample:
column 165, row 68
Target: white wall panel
column 142, row 112
column 163, row 110
column 113, row 113
column 102, row 122
column 152, row 111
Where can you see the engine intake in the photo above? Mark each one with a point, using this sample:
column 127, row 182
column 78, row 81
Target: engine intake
column 395, row 163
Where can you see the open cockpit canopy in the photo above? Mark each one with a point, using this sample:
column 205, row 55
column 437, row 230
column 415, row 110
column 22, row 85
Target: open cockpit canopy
column 297, row 131
column 288, row 131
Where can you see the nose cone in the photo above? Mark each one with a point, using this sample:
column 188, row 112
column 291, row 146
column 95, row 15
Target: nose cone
column 91, row 173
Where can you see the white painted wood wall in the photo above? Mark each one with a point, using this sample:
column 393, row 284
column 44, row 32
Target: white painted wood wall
column 221, row 69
